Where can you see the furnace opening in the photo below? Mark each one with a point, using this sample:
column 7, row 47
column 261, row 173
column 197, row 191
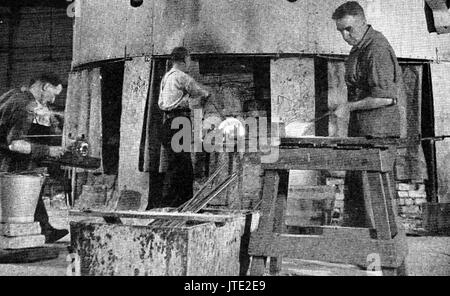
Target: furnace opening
column 112, row 82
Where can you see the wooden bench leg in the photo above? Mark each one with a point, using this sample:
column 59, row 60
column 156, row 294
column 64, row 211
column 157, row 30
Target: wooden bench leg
column 389, row 194
column 379, row 206
column 381, row 195
column 266, row 225
column 399, row 271
column 280, row 217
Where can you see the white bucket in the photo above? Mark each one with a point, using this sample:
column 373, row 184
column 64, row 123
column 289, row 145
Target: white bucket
column 19, row 195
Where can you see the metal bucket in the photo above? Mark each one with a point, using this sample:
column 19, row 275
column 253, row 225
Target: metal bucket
column 19, row 195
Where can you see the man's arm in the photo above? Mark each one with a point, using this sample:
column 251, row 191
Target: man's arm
column 368, row 103
column 371, row 103
column 22, row 116
column 381, row 79
column 196, row 89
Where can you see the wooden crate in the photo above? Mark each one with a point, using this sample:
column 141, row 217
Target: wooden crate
column 201, row 248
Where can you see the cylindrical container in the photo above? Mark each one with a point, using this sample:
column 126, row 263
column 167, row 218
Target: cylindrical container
column 19, row 195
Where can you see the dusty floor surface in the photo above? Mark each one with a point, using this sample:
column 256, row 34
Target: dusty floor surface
column 428, row 256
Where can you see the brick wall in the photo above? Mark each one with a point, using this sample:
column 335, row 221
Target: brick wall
column 411, row 198
column 41, row 41
column 409, row 202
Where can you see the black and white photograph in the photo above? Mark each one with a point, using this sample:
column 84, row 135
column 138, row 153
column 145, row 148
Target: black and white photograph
column 224, row 143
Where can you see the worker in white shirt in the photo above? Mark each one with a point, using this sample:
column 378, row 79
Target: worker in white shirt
column 178, row 92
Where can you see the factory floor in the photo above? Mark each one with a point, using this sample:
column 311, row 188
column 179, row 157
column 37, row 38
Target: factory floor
column 428, row 256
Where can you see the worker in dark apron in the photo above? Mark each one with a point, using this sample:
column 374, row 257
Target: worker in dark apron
column 376, row 98
column 178, row 95
column 19, row 110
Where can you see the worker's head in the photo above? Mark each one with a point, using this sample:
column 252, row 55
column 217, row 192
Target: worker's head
column 46, row 87
column 180, row 55
column 351, row 22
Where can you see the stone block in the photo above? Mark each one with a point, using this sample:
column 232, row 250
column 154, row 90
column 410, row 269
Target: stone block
column 401, row 201
column 334, row 181
column 339, row 204
column 21, row 242
column 403, row 194
column 9, row 229
column 409, row 202
column 417, row 194
column 340, row 196
column 192, row 249
column 411, row 210
column 420, row 201
column 29, row 255
column 405, row 187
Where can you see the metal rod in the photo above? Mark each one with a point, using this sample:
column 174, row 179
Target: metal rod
column 198, row 205
column 203, row 202
column 42, row 136
column 206, row 184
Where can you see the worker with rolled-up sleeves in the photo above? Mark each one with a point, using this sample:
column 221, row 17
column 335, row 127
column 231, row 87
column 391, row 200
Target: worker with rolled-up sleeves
column 376, row 97
column 179, row 93
column 19, row 110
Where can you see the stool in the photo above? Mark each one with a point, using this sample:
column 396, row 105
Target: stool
column 383, row 245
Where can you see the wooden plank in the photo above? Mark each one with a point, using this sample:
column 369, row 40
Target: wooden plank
column 332, row 159
column 280, row 217
column 28, row 255
column 155, row 215
column 350, row 249
column 270, row 191
column 348, row 142
column 377, row 198
column 389, row 188
column 370, row 219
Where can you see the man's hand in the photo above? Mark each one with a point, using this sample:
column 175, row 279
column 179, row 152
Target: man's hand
column 55, row 151
column 20, row 146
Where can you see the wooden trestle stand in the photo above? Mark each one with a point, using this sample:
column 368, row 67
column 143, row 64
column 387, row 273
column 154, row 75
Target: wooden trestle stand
column 384, row 242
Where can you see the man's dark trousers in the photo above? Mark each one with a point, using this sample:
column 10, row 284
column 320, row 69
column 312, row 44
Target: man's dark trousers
column 179, row 178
